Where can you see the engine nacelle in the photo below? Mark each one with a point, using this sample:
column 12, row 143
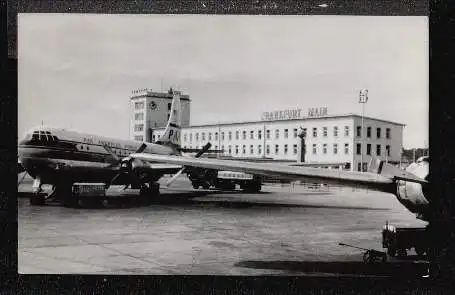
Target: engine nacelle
column 130, row 165
column 412, row 194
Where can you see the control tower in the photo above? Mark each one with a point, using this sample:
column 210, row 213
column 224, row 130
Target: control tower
column 151, row 110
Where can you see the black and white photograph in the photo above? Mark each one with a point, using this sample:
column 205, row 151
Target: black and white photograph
column 286, row 145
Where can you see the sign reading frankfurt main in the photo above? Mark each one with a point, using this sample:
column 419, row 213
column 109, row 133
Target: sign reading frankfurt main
column 293, row 114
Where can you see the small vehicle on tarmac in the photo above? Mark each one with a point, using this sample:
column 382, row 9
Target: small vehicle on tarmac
column 224, row 180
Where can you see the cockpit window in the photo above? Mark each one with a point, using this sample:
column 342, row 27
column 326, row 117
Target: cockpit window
column 40, row 137
column 35, row 136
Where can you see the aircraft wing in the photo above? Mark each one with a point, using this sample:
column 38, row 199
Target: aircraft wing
column 330, row 176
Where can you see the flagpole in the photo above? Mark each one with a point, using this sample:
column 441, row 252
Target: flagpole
column 363, row 98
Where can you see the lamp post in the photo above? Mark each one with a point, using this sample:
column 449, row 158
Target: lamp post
column 363, row 98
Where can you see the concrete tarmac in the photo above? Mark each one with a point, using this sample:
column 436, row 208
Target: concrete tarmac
column 281, row 231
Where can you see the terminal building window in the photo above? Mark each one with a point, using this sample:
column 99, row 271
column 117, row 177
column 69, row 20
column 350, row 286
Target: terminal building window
column 368, row 131
column 203, row 136
column 358, row 149
column 378, row 132
column 378, row 149
column 191, row 137
column 243, row 149
column 324, row 131
column 222, row 135
column 277, row 134
column 236, row 149
column 251, row 134
column 251, row 149
column 139, row 138
column 244, row 134
column 387, row 133
column 139, row 116
column 346, row 148
column 216, row 135
column 335, row 131
column 304, row 132
column 387, row 149
column 294, row 149
column 259, row 150
column 324, row 148
column 368, row 149
column 315, row 132
column 154, row 138
column 230, row 135
column 359, row 166
column 295, row 132
column 184, row 137
column 139, row 127
column 335, row 149
column 197, row 136
column 210, row 135
column 277, row 149
column 267, row 149
column 268, row 134
column 314, row 149
column 139, row 105
column 237, row 134
column 359, row 131
column 286, row 131
column 229, row 149
column 169, row 105
column 285, row 149
column 346, row 130
column 259, row 134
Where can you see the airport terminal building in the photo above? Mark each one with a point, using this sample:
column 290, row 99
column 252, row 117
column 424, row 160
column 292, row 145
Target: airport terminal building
column 328, row 140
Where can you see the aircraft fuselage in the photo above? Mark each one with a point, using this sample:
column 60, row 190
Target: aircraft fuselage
column 52, row 154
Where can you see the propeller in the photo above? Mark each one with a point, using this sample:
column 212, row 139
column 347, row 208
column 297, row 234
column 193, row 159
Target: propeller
column 125, row 165
column 202, row 151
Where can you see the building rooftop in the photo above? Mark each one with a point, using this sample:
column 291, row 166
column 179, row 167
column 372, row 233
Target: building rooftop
column 149, row 93
column 296, row 120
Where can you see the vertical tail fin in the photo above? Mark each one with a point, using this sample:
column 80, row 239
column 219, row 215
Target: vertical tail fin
column 171, row 135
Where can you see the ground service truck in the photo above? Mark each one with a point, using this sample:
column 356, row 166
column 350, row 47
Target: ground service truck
column 224, row 180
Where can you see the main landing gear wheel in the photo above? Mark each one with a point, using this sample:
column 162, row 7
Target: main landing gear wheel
column 402, row 253
column 65, row 193
column 392, row 252
column 38, row 199
column 420, row 251
column 149, row 192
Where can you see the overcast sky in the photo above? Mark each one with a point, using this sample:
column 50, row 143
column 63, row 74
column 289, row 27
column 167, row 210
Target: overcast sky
column 78, row 70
